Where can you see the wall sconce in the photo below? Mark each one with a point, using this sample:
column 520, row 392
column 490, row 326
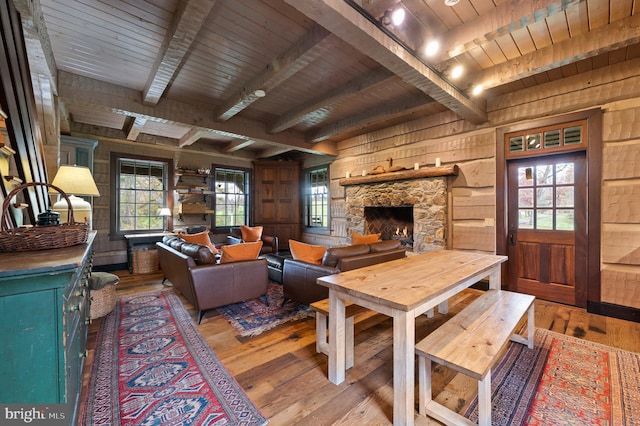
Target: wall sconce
column 74, row 181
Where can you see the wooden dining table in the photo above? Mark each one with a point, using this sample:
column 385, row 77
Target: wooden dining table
column 402, row 289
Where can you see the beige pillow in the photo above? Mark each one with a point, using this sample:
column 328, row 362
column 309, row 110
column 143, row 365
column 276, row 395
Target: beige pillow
column 307, row 252
column 357, row 238
column 242, row 251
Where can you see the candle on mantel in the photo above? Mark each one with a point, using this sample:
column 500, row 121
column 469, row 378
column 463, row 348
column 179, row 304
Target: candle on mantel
column 438, row 163
column 416, row 166
column 364, row 173
column 348, row 175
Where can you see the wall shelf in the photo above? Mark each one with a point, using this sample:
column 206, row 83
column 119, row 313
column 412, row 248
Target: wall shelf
column 401, row 175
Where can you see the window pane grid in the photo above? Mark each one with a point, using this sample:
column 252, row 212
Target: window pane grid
column 231, row 187
column 317, row 198
column 141, row 194
column 546, row 197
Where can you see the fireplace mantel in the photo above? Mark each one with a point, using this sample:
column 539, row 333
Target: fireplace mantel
column 451, row 170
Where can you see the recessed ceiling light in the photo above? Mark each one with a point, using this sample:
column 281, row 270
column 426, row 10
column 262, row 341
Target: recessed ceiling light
column 477, row 90
column 259, row 93
column 456, row 72
column 432, row 48
column 397, row 17
column 451, row 2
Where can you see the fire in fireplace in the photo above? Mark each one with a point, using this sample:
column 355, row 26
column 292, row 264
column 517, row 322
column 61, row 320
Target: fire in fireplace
column 391, row 223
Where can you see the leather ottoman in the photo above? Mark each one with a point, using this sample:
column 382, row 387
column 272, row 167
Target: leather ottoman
column 275, row 263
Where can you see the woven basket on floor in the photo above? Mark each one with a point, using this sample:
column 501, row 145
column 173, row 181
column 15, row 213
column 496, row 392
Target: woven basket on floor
column 40, row 237
column 102, row 301
column 145, row 261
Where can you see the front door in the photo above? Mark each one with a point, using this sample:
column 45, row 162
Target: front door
column 547, row 227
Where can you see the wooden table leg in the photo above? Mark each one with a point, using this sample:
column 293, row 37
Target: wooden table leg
column 404, row 341
column 337, row 350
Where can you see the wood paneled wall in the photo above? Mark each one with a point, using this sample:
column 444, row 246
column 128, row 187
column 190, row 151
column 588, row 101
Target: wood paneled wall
column 615, row 89
column 620, row 277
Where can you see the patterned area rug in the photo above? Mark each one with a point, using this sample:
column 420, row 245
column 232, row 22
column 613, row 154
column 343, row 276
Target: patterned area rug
column 255, row 316
column 152, row 367
column 564, row 381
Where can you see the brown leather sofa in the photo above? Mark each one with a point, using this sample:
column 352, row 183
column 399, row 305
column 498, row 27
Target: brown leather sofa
column 299, row 278
column 193, row 271
column 269, row 243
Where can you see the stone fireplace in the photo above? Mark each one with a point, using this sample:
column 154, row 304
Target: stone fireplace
column 386, row 206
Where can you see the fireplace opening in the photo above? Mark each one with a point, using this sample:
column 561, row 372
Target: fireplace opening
column 391, row 222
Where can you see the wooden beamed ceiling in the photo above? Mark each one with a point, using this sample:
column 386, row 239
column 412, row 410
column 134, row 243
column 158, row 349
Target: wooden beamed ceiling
column 265, row 78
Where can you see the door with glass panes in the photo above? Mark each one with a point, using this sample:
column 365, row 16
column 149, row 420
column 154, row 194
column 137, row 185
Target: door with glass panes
column 547, row 227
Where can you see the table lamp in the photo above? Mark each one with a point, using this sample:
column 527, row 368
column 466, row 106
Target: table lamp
column 165, row 212
column 74, row 181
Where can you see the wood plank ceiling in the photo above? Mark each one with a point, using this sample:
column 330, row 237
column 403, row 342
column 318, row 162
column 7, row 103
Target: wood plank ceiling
column 268, row 78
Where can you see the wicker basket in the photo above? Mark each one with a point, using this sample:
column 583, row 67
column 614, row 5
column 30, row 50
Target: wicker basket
column 40, row 237
column 102, row 301
column 145, row 261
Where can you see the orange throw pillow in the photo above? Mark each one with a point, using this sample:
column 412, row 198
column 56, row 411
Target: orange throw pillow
column 199, row 238
column 242, row 251
column 307, row 252
column 357, row 238
column 251, row 234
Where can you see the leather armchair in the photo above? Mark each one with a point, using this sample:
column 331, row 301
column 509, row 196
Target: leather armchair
column 269, row 243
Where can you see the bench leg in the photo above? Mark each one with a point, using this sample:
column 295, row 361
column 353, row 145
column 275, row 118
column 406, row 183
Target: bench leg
column 443, row 307
column 484, row 401
column 531, row 326
column 322, row 342
column 322, row 323
column 424, row 380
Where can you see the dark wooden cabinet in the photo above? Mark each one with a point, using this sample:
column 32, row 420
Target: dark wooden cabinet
column 277, row 199
column 44, row 312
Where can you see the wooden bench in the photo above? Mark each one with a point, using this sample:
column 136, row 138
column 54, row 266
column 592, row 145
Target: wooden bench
column 321, row 308
column 471, row 343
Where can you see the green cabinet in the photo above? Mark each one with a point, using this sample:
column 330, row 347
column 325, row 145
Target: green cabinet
column 43, row 325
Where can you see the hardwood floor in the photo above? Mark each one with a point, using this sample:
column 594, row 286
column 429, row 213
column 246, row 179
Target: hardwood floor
column 287, row 379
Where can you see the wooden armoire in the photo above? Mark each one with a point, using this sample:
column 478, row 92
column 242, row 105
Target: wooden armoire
column 277, row 200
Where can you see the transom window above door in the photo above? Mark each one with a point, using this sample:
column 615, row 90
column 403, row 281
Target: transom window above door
column 547, row 140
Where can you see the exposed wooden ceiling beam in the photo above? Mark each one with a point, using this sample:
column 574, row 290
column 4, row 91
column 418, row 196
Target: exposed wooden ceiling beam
column 98, row 95
column 504, row 19
column 624, row 32
column 237, row 145
column 353, row 87
column 310, row 47
column 192, row 136
column 38, row 44
column 371, row 117
column 188, row 19
column 345, row 22
column 135, row 127
column 119, row 134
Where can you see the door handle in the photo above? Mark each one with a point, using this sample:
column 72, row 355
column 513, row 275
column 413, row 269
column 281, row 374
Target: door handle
column 512, row 239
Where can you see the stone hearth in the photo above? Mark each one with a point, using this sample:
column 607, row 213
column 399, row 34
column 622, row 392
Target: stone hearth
column 427, row 196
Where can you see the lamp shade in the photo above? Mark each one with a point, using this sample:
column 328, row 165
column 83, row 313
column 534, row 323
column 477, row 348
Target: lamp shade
column 76, row 180
column 165, row 211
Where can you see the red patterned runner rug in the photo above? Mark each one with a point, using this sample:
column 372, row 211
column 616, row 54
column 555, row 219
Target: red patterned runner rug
column 564, row 381
column 152, row 367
